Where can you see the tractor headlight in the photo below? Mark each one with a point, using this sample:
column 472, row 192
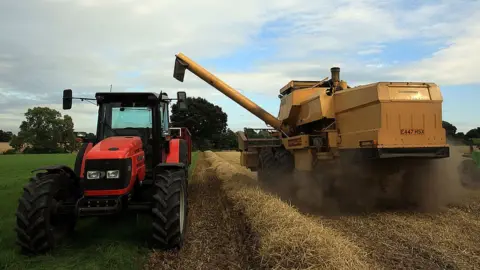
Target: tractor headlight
column 93, row 175
column 113, row 174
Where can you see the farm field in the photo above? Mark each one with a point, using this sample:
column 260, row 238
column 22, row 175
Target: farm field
column 389, row 240
column 97, row 243
column 235, row 224
column 4, row 146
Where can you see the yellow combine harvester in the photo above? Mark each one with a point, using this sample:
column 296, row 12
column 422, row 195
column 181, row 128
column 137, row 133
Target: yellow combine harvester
column 339, row 137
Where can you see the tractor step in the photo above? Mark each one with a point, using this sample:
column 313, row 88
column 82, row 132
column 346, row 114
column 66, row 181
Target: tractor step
column 99, row 206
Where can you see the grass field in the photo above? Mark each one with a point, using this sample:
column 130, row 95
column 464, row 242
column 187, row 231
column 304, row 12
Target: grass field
column 97, row 243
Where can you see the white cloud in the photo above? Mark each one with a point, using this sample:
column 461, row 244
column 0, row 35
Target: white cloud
column 87, row 45
column 455, row 64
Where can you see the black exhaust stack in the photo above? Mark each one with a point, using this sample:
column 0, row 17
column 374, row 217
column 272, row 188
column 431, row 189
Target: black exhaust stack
column 335, row 74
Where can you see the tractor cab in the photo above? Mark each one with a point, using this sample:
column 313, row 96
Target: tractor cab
column 134, row 114
column 143, row 115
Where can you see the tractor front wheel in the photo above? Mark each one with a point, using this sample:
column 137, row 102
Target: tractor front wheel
column 41, row 224
column 170, row 209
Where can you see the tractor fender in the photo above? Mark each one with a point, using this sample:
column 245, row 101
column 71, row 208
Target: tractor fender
column 56, row 168
column 80, row 159
column 170, row 166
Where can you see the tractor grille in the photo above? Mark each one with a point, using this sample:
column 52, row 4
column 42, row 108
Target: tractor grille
column 123, row 165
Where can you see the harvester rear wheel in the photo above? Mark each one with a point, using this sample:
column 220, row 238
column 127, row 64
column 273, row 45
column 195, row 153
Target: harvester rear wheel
column 273, row 163
column 170, row 209
column 40, row 226
column 267, row 164
column 284, row 160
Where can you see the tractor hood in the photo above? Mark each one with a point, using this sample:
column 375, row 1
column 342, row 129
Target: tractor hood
column 115, row 148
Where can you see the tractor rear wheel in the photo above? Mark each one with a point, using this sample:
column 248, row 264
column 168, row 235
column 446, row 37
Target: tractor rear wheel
column 170, row 209
column 40, row 225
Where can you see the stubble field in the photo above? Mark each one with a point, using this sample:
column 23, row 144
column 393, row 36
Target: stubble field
column 233, row 223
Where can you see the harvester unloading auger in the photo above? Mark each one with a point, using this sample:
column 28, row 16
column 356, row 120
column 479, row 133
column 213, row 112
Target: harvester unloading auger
column 344, row 141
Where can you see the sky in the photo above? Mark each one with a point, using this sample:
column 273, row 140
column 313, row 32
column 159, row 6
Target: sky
column 255, row 46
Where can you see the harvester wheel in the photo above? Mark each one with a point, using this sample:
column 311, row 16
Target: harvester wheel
column 169, row 209
column 284, row 160
column 40, row 224
column 267, row 165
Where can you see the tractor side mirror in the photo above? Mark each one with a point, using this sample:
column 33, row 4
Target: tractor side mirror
column 182, row 101
column 67, row 99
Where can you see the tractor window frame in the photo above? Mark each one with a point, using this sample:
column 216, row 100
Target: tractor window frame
column 165, row 117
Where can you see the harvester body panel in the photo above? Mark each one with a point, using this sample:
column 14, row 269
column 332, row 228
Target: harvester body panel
column 391, row 115
column 304, row 106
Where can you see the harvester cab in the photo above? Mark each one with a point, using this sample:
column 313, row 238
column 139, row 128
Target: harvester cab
column 133, row 163
column 332, row 133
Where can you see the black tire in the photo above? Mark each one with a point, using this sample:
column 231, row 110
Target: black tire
column 266, row 168
column 183, row 152
column 170, row 207
column 273, row 163
column 40, row 227
column 284, row 160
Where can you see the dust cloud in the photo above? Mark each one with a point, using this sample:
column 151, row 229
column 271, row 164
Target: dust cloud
column 414, row 184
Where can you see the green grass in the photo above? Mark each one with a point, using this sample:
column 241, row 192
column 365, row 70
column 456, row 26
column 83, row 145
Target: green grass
column 98, row 243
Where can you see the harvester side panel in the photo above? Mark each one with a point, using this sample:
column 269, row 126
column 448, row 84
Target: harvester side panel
column 390, row 115
column 358, row 115
column 307, row 105
column 319, row 106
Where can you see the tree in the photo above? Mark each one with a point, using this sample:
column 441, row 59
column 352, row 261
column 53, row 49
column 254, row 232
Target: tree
column 46, row 131
column 227, row 140
column 473, row 133
column 449, row 128
column 17, row 143
column 205, row 121
column 5, row 136
column 68, row 138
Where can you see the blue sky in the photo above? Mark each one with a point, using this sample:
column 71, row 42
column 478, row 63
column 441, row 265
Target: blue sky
column 255, row 46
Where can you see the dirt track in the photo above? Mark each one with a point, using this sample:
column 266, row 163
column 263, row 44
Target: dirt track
column 217, row 236
column 214, row 239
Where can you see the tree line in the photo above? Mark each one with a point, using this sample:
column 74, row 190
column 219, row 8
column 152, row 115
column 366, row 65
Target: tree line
column 45, row 130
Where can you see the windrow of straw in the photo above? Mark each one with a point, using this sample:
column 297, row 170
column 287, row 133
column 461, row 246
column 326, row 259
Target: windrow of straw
column 285, row 238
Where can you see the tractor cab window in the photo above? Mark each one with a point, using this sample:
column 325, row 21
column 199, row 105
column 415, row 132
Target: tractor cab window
column 131, row 117
column 120, row 120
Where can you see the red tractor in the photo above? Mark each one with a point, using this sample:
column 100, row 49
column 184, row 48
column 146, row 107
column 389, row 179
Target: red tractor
column 135, row 162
